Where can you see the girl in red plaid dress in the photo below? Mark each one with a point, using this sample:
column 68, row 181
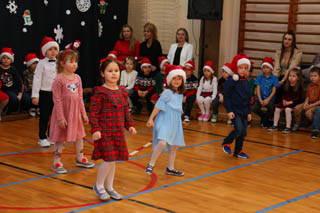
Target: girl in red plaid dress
column 109, row 115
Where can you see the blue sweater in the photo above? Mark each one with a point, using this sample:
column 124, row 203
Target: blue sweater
column 236, row 95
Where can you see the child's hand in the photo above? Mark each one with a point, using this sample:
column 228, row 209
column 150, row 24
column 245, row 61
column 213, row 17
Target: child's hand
column 85, row 119
column 150, row 123
column 96, row 135
column 249, row 117
column 140, row 93
column 266, row 102
column 132, row 130
column 220, row 98
column 184, row 99
column 63, row 124
column 153, row 68
column 231, row 115
column 306, row 106
column 19, row 96
column 35, row 101
column 261, row 102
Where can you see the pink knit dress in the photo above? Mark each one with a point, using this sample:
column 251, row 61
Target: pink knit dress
column 68, row 105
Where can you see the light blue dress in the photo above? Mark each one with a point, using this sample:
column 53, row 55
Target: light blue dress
column 168, row 124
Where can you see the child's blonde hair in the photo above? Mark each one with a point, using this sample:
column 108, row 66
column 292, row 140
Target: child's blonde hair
column 131, row 58
column 64, row 55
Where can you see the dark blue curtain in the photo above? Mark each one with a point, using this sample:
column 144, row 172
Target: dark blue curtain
column 76, row 25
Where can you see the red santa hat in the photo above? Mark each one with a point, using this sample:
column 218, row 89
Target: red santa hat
column 162, row 60
column 30, row 59
column 228, row 68
column 209, row 65
column 74, row 45
column 46, row 44
column 191, row 64
column 6, row 51
column 172, row 71
column 267, row 61
column 237, row 61
column 113, row 54
column 145, row 62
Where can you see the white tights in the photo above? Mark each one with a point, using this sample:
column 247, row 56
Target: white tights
column 106, row 174
column 204, row 104
column 171, row 156
column 277, row 116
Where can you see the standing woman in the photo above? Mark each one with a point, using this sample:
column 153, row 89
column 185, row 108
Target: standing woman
column 288, row 58
column 181, row 51
column 127, row 45
column 151, row 47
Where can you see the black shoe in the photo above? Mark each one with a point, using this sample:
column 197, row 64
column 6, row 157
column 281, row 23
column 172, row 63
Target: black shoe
column 315, row 134
column 174, row 172
column 273, row 128
column 287, row 130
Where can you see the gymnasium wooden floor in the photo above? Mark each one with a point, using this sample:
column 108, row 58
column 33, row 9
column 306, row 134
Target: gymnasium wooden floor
column 282, row 174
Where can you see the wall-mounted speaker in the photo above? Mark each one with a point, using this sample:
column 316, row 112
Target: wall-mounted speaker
column 205, row 9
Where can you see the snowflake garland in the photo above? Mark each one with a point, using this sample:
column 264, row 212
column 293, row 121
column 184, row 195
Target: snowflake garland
column 100, row 28
column 59, row 33
column 12, row 7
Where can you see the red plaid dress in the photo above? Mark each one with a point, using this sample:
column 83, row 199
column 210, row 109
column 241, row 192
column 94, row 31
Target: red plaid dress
column 109, row 114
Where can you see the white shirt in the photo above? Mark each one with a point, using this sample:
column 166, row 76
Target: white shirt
column 128, row 79
column 207, row 87
column 186, row 53
column 44, row 76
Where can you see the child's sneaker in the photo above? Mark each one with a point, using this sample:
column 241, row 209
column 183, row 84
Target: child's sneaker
column 241, row 155
column 58, row 168
column 229, row 122
column 206, row 117
column 214, row 118
column 174, row 172
column 186, row 118
column 149, row 169
column 287, row 130
column 114, row 195
column 85, row 163
column 295, row 127
column 226, row 148
column 273, row 128
column 44, row 142
column 315, row 134
column 102, row 194
column 32, row 112
column 200, row 118
column 38, row 111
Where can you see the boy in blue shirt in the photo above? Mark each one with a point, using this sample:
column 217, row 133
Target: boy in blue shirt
column 266, row 86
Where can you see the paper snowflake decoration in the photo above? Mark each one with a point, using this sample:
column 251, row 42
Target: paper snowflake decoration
column 12, row 7
column 83, row 5
column 45, row 2
column 100, row 28
column 59, row 33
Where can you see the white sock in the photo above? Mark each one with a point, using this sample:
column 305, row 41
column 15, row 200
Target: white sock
column 161, row 145
column 110, row 176
column 78, row 145
column 57, row 151
column 102, row 174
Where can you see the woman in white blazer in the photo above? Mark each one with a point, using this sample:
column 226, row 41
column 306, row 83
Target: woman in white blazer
column 181, row 51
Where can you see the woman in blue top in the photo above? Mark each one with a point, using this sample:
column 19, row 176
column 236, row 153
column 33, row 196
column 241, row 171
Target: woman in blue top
column 167, row 131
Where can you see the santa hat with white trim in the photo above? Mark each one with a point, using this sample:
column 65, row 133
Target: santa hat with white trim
column 209, row 65
column 145, row 62
column 46, row 44
column 113, row 54
column 172, row 71
column 162, row 60
column 228, row 68
column 237, row 61
column 6, row 51
column 30, row 59
column 191, row 64
column 267, row 61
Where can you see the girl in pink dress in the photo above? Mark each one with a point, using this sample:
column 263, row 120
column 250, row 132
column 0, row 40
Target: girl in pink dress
column 109, row 115
column 68, row 112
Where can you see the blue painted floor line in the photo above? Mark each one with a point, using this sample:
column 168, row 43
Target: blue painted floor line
column 188, row 180
column 288, row 201
column 77, row 170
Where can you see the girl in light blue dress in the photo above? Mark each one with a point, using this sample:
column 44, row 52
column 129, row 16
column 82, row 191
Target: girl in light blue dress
column 167, row 126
